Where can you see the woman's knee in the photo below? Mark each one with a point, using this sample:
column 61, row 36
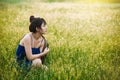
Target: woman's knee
column 37, row 63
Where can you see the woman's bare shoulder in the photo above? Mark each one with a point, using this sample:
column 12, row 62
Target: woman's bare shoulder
column 26, row 38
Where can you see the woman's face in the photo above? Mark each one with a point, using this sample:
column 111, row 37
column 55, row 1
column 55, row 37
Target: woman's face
column 43, row 29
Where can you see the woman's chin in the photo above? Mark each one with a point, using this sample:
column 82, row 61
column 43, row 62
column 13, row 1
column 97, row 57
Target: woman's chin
column 44, row 33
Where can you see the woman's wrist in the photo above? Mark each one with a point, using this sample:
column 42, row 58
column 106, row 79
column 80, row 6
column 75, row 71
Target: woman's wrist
column 43, row 53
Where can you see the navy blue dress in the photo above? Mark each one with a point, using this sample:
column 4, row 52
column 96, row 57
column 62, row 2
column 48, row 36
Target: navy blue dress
column 21, row 56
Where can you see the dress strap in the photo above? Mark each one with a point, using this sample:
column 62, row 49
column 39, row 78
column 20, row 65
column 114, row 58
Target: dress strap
column 41, row 42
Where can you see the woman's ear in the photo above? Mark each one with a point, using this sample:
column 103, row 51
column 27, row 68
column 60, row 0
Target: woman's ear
column 37, row 29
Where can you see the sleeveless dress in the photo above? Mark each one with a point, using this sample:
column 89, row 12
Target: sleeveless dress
column 21, row 56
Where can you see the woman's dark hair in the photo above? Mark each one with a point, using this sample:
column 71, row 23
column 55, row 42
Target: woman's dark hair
column 35, row 23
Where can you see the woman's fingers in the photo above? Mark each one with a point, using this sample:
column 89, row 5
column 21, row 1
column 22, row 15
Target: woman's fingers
column 46, row 50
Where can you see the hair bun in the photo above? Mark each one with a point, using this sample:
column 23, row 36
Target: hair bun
column 32, row 18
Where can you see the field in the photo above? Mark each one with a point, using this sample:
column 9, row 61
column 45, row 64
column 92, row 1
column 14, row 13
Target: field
column 84, row 40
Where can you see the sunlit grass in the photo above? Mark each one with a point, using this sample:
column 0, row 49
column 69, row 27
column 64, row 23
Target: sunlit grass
column 84, row 40
column 50, row 1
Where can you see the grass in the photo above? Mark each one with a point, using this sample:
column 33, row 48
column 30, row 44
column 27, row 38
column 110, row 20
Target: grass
column 84, row 40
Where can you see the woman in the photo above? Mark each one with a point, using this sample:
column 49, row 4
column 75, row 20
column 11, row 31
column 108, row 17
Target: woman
column 33, row 47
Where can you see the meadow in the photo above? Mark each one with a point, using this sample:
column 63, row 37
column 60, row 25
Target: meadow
column 84, row 40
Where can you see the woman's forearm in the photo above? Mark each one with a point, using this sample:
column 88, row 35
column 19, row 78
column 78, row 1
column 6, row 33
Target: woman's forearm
column 32, row 57
column 42, row 54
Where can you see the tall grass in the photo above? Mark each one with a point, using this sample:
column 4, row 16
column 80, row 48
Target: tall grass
column 84, row 40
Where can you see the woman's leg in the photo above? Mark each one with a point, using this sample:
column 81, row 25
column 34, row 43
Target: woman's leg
column 37, row 63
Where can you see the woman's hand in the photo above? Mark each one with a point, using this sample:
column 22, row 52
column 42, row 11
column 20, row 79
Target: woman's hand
column 46, row 50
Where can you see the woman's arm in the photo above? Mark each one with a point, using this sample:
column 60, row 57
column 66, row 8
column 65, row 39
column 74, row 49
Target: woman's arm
column 27, row 45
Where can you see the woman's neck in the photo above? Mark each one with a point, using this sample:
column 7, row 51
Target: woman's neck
column 36, row 36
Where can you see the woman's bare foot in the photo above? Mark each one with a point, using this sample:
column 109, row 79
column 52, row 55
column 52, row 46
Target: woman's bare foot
column 45, row 67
